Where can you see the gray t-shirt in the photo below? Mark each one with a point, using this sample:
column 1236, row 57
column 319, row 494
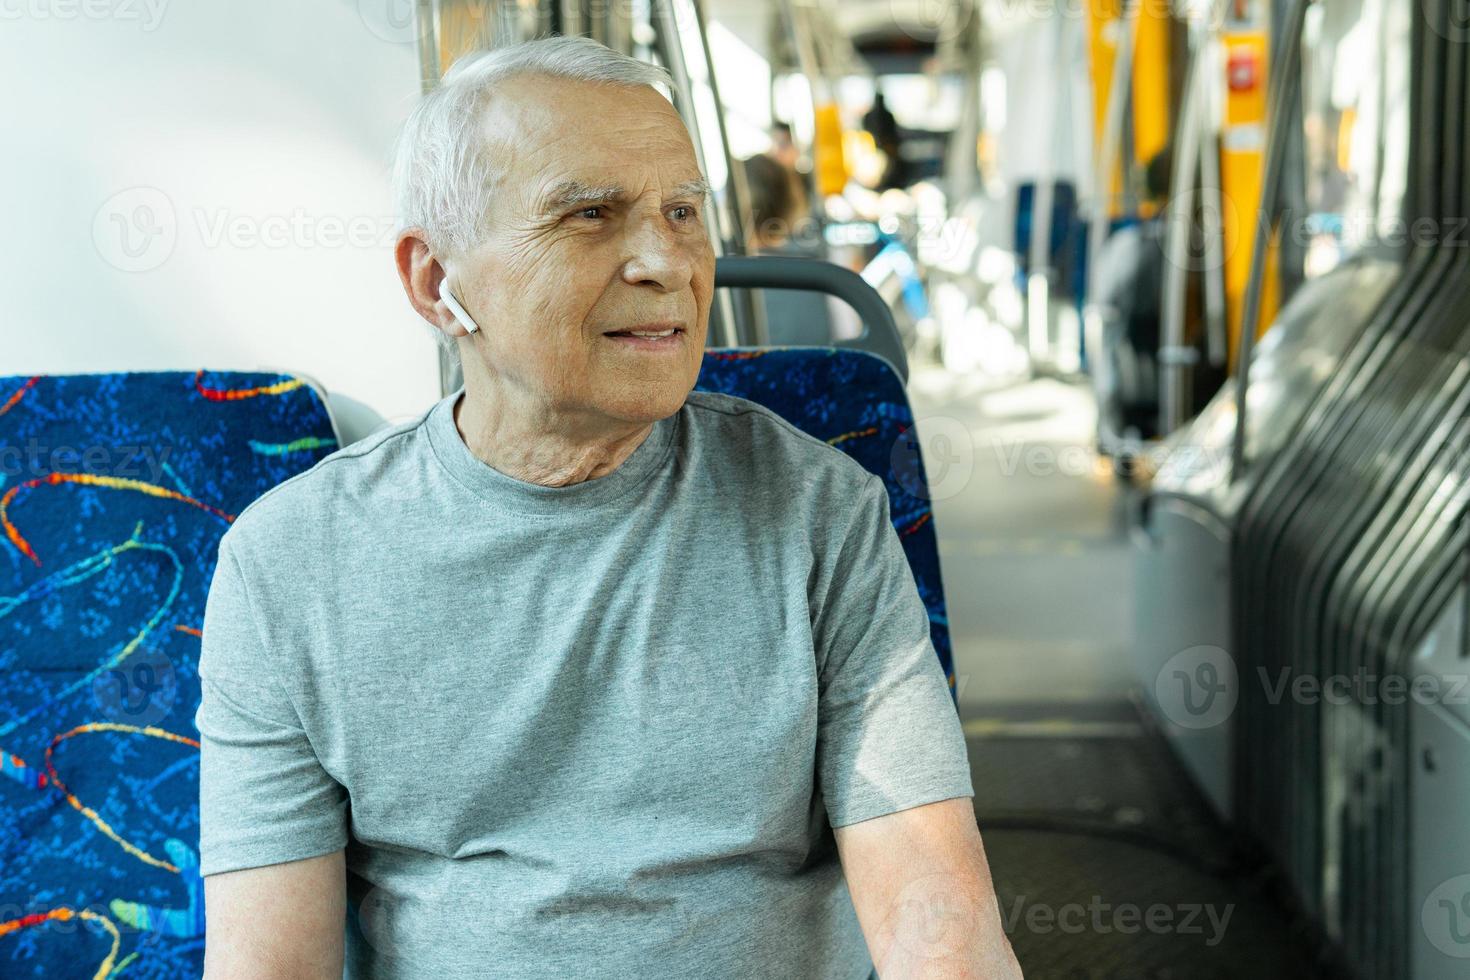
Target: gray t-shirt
column 595, row 730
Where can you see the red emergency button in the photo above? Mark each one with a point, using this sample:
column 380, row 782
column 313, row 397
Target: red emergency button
column 1243, row 71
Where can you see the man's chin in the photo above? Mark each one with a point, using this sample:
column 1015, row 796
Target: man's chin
column 650, row 403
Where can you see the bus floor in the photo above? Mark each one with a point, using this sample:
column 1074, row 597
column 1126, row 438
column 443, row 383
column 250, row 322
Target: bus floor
column 1108, row 864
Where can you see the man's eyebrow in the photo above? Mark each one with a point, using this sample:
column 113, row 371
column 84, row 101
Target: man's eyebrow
column 570, row 193
column 696, row 188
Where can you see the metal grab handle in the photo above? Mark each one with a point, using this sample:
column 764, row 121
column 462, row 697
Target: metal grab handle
column 1284, row 85
column 880, row 333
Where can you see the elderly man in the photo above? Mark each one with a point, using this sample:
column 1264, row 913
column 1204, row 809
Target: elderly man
column 581, row 673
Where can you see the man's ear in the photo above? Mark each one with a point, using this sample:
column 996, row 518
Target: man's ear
column 422, row 275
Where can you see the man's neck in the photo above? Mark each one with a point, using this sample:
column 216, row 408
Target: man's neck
column 542, row 448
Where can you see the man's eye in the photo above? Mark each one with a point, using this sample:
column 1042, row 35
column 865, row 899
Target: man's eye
column 683, row 212
column 593, row 212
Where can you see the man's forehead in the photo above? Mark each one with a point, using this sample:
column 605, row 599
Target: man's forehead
column 557, row 130
column 535, row 105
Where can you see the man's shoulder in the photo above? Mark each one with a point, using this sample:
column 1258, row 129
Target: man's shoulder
column 313, row 498
column 756, row 435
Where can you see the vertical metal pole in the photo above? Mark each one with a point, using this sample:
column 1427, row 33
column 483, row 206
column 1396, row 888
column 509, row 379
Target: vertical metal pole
column 1285, row 85
column 809, row 65
column 670, row 48
column 737, row 193
column 1216, row 332
column 1178, row 235
column 961, row 165
column 1109, row 142
column 428, row 45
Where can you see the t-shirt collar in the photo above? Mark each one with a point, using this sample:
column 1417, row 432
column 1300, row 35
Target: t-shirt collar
column 533, row 498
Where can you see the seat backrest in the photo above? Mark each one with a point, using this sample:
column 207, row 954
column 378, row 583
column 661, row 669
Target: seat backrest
column 114, row 492
column 854, row 401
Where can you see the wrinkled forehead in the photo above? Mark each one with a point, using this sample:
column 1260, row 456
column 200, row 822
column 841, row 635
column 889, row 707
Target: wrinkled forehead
column 543, row 131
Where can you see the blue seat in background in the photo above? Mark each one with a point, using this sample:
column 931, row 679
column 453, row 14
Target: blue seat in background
column 114, row 492
column 855, row 401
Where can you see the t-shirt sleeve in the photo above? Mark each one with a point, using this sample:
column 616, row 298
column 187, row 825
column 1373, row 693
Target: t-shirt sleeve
column 888, row 735
column 264, row 797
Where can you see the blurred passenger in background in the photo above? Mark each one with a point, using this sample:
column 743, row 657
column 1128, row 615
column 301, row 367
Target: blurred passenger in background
column 884, row 127
column 780, row 223
column 785, row 152
column 783, row 147
column 1131, row 284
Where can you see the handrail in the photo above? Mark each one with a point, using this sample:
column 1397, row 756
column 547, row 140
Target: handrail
column 1285, row 82
column 880, row 334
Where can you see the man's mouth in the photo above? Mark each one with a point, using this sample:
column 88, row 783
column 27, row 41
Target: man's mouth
column 649, row 336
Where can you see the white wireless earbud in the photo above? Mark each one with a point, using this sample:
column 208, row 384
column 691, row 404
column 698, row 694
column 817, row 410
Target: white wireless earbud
column 465, row 320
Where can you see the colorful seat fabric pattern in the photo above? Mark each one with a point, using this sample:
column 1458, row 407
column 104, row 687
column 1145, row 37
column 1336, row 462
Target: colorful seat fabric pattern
column 114, row 492
column 856, row 402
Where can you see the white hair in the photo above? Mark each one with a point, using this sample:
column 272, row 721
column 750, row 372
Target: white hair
column 441, row 168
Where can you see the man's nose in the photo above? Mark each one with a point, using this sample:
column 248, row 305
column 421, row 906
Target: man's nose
column 658, row 256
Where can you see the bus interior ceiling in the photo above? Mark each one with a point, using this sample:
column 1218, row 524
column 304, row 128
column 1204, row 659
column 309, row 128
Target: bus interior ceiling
column 1179, row 292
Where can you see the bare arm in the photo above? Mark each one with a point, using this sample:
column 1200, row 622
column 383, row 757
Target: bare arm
column 921, row 887
column 279, row 922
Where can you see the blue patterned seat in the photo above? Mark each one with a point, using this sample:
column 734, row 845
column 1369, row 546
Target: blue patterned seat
column 856, row 402
column 114, row 492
